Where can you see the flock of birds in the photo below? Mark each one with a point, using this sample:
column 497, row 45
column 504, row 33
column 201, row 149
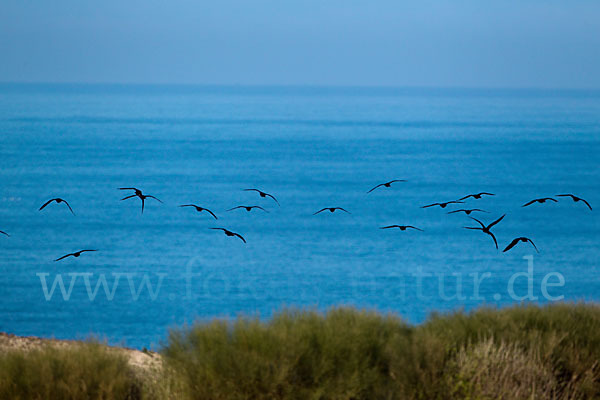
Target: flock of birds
column 468, row 211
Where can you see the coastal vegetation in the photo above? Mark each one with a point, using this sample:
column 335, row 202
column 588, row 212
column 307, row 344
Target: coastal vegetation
column 521, row 352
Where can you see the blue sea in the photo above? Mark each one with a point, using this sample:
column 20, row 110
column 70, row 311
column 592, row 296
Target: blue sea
column 310, row 147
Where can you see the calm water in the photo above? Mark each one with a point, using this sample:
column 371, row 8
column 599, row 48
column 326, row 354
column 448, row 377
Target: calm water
column 311, row 148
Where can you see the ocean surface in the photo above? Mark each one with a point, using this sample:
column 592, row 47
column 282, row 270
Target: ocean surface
column 310, row 148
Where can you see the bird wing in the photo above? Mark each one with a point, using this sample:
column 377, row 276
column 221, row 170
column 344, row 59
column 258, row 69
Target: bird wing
column 455, row 211
column 251, row 190
column 45, row 204
column 529, row 203
column 211, row 213
column 321, row 210
column 340, row 208
column 218, row 229
column 128, row 197
column 511, row 245
column 143, row 201
column 235, row 208
column 496, row 221
column 466, row 197
column 478, row 209
column 65, row 256
column 470, row 227
column 480, row 223
column 431, row 205
column 4, row 233
column 68, row 206
column 152, row 197
column 129, row 188
column 397, row 180
column 240, row 236
column 494, row 237
column 587, row 204
column 188, row 205
column 550, row 198
column 565, row 195
column 414, row 227
column 260, row 208
column 486, row 193
column 273, row 197
column 533, row 244
column 455, row 202
column 390, row 226
column 83, row 251
column 381, row 184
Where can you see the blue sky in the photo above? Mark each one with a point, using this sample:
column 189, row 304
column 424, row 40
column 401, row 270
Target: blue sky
column 460, row 43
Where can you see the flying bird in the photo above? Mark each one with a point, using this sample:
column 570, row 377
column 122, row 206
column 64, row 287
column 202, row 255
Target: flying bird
column 200, row 209
column 386, row 184
column 76, row 254
column 331, row 209
column 4, row 233
column 517, row 240
column 401, row 227
column 477, row 195
column 575, row 199
column 468, row 212
column 229, row 233
column 262, row 194
column 138, row 193
column 542, row 200
column 58, row 200
column 486, row 229
column 248, row 208
column 443, row 205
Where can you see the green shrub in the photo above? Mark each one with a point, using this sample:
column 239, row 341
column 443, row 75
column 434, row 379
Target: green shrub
column 518, row 352
column 77, row 371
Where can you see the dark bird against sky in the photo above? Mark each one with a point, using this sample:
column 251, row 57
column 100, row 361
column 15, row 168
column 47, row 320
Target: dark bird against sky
column 76, row 254
column 477, row 195
column 401, row 227
column 575, row 199
column 229, row 233
column 58, row 200
column 262, row 194
column 517, row 240
column 4, row 233
column 443, row 205
column 468, row 211
column 248, row 208
column 486, row 229
column 138, row 193
column 386, row 184
column 331, row 209
column 200, row 209
column 541, row 201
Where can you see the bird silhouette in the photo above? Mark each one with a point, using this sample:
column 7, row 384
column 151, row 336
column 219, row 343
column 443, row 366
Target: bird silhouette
column 248, row 208
column 229, row 233
column 575, row 199
column 262, row 194
column 76, row 254
column 486, row 229
column 443, row 205
column 58, row 200
column 331, row 209
column 4, row 233
column 138, row 193
column 386, row 184
column 541, row 201
column 401, row 227
column 477, row 195
column 468, row 211
column 517, row 240
column 200, row 209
